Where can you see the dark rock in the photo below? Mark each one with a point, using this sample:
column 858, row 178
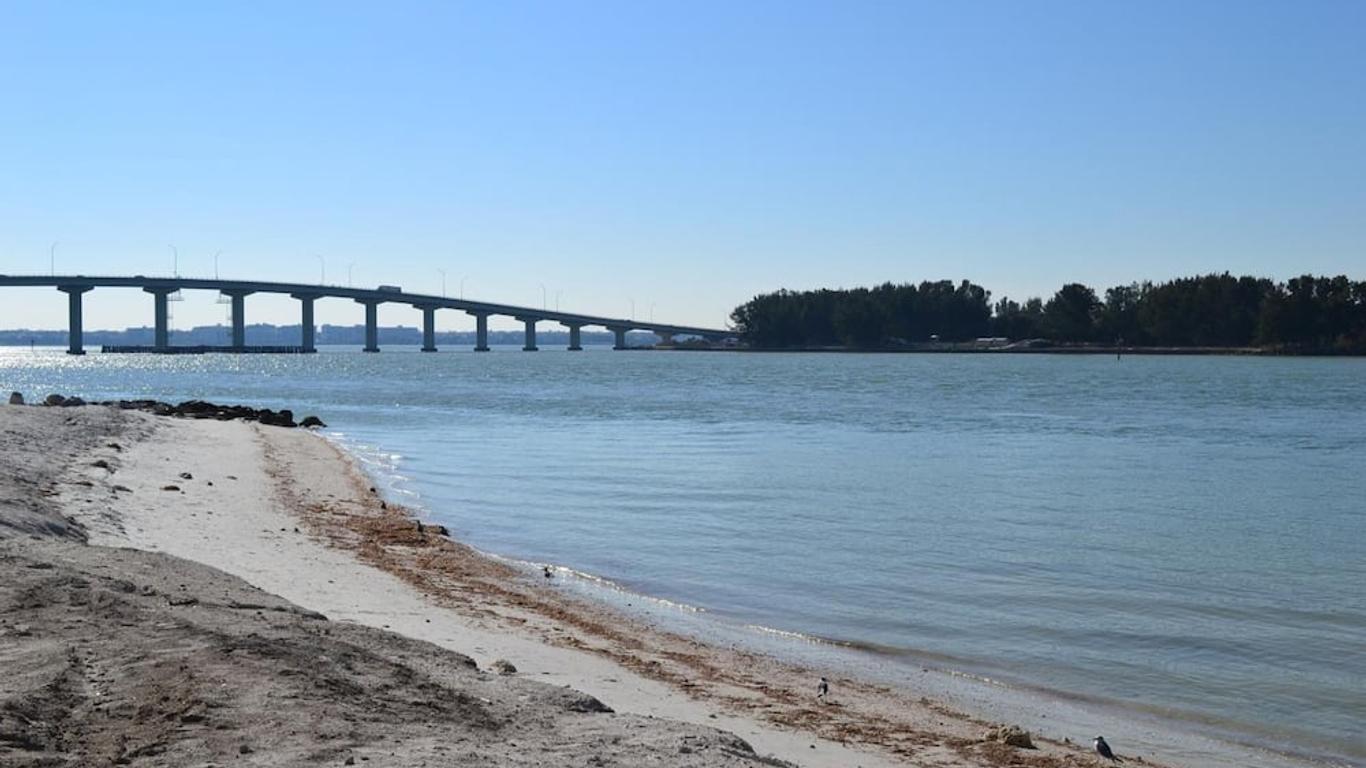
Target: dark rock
column 312, row 421
column 16, row 398
column 101, row 463
column 504, row 667
column 73, row 402
column 54, row 399
column 170, row 487
column 186, row 476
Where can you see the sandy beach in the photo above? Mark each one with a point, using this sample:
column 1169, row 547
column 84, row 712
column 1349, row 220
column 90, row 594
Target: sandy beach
column 252, row 534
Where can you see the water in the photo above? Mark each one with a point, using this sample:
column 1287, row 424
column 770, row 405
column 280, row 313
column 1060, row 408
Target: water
column 1181, row 536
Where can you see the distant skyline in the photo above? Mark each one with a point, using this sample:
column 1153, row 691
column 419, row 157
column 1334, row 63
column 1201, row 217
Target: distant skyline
column 680, row 157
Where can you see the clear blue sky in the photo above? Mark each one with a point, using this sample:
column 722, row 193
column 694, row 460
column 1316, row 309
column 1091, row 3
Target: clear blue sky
column 685, row 155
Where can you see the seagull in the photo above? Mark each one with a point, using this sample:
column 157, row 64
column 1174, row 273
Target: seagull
column 1103, row 750
column 822, row 689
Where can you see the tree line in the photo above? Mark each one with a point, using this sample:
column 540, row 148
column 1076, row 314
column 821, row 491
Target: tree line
column 1306, row 314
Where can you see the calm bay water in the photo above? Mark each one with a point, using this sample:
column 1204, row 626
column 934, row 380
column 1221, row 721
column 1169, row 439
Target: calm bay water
column 1186, row 536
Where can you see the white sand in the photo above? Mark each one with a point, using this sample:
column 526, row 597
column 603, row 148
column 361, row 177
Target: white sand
column 242, row 527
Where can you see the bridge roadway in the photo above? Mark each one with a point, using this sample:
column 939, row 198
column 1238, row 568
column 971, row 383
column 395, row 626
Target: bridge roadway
column 74, row 286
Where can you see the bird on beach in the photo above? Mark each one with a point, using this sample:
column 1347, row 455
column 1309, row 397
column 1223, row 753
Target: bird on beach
column 822, row 689
column 546, row 570
column 1103, row 750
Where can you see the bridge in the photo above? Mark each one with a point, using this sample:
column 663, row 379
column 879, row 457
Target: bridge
column 160, row 288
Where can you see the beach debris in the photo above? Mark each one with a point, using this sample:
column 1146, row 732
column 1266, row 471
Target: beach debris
column 186, row 476
column 1010, row 735
column 1103, row 749
column 123, row 488
column 170, row 487
column 100, row 464
column 16, row 398
column 115, row 446
column 504, row 667
column 822, row 689
column 311, row 422
column 383, row 505
column 549, row 574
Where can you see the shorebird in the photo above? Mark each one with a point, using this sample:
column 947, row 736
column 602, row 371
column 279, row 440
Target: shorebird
column 1103, row 750
column 822, row 689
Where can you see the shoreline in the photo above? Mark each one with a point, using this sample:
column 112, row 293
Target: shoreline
column 490, row 610
column 980, row 697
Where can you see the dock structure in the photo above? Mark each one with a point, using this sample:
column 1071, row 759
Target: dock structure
column 162, row 289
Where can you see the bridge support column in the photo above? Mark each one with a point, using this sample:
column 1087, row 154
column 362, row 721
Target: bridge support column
column 371, row 324
column 620, row 334
column 574, row 338
column 307, row 329
column 239, row 318
column 161, row 337
column 75, row 330
column 428, row 328
column 481, row 331
column 530, row 345
column 665, row 339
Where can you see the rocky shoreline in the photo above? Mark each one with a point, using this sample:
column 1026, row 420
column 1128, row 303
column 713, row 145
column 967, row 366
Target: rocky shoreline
column 190, row 409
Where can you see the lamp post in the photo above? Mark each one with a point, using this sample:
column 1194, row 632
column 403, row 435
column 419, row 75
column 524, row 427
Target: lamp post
column 557, row 300
column 349, row 267
column 462, row 287
column 216, row 254
column 543, row 301
column 443, row 282
column 175, row 261
column 52, row 258
column 322, row 269
column 633, row 309
column 652, row 311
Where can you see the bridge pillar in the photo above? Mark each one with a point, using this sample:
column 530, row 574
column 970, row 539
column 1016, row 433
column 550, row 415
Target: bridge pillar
column 481, row 331
column 620, row 334
column 307, row 329
column 665, row 339
column 428, row 327
column 530, row 345
column 75, row 331
column 371, row 324
column 161, row 338
column 239, row 318
column 574, row 345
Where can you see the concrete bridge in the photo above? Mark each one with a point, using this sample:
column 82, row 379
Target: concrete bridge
column 75, row 286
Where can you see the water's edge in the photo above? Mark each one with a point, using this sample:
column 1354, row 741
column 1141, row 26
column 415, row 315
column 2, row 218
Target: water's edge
column 1167, row 735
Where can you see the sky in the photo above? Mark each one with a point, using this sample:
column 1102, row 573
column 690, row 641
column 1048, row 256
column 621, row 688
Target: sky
column 671, row 159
